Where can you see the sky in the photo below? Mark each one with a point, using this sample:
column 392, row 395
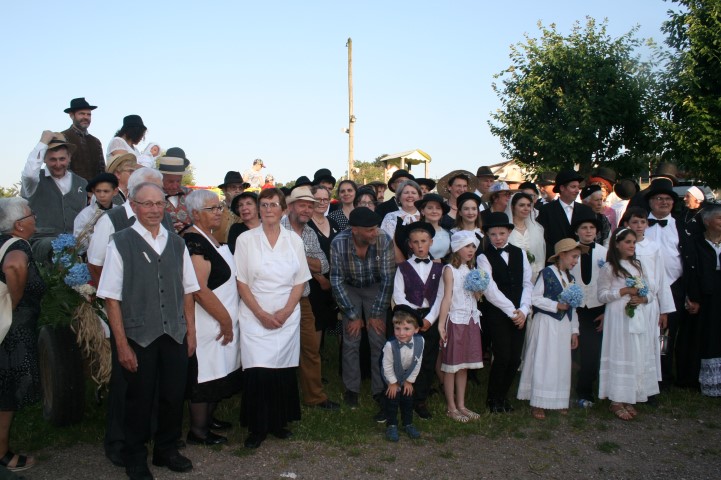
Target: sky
column 231, row 81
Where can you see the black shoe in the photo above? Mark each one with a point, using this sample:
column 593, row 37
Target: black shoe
column 139, row 472
column 380, row 417
column 221, row 425
column 494, row 406
column 115, row 457
column 507, row 407
column 282, row 433
column 210, row 439
column 422, row 411
column 327, row 405
column 173, row 460
column 351, row 399
column 253, row 440
column 180, row 444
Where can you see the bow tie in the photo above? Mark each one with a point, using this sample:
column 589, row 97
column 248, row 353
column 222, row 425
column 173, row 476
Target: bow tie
column 424, row 260
column 406, row 344
column 653, row 221
column 180, row 193
column 502, row 249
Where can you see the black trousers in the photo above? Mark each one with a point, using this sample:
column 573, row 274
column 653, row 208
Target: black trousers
column 507, row 341
column 391, row 405
column 675, row 319
column 162, row 370
column 115, row 414
column 589, row 350
column 427, row 373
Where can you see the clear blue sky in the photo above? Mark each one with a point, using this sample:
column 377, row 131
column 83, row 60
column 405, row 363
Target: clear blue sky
column 230, row 81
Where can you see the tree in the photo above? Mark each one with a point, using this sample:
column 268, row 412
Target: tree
column 577, row 99
column 13, row 191
column 693, row 88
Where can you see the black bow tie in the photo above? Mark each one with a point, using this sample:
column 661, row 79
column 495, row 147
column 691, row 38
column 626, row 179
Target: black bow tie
column 653, row 221
column 406, row 344
column 175, row 194
column 424, row 260
column 502, row 249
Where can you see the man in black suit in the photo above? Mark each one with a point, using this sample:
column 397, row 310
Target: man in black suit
column 557, row 216
column 391, row 205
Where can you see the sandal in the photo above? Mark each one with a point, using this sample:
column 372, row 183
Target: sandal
column 630, row 409
column 538, row 413
column 457, row 416
column 469, row 413
column 23, row 462
column 620, row 411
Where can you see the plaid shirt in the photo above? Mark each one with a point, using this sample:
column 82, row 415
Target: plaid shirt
column 347, row 268
column 312, row 248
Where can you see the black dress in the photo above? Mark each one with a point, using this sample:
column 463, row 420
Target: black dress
column 220, row 388
column 235, row 230
column 324, row 307
column 19, row 370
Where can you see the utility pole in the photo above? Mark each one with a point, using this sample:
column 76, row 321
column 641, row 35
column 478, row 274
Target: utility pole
column 351, row 117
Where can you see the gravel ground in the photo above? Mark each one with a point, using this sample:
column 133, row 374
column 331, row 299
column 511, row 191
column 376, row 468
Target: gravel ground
column 651, row 447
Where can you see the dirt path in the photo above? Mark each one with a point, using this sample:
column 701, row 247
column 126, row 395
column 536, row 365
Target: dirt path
column 652, row 447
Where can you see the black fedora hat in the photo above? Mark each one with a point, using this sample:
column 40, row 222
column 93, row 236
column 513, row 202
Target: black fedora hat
column 102, row 178
column 667, row 170
column 625, row 189
column 583, row 218
column 432, row 197
column 485, row 172
column 403, row 233
column 239, row 197
column 428, row 182
column 364, row 217
column 323, row 174
column 133, row 121
column 605, row 173
column 230, row 178
column 496, row 219
column 589, row 190
column 546, row 178
column 566, row 176
column 79, row 104
column 463, row 197
column 661, row 186
column 400, row 173
column 302, row 181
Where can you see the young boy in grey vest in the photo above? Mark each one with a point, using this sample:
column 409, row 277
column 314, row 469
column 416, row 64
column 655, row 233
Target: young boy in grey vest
column 401, row 361
column 416, row 285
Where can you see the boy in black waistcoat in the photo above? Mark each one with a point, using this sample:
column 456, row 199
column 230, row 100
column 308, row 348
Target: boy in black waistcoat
column 511, row 271
column 416, row 285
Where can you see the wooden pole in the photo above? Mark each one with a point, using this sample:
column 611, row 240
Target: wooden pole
column 351, row 117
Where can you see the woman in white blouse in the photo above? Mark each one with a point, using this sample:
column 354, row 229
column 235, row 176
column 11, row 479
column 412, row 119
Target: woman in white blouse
column 527, row 234
column 406, row 194
column 130, row 134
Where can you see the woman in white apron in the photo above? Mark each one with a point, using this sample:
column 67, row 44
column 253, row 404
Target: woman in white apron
column 271, row 272
column 214, row 370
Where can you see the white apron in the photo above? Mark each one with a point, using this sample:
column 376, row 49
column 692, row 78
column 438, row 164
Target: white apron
column 216, row 360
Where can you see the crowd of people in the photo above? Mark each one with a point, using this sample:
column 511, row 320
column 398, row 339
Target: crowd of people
column 208, row 296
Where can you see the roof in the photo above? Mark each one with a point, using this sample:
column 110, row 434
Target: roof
column 410, row 157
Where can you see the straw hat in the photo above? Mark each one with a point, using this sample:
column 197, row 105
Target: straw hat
column 566, row 245
column 442, row 185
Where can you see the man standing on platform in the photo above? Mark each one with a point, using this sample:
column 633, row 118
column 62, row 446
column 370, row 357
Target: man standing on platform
column 88, row 160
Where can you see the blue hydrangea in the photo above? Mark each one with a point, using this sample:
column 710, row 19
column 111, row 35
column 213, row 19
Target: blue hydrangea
column 601, row 263
column 476, row 280
column 77, row 275
column 572, row 295
column 63, row 241
column 640, row 283
column 65, row 260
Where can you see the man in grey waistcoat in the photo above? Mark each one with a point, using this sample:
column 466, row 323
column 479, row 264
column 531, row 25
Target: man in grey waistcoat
column 56, row 194
column 147, row 282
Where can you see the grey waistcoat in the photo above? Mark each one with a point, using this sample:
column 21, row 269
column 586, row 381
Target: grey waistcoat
column 56, row 212
column 152, row 302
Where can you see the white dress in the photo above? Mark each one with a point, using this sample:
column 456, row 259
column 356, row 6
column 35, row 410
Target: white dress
column 216, row 360
column 546, row 374
column 390, row 221
column 628, row 365
column 270, row 273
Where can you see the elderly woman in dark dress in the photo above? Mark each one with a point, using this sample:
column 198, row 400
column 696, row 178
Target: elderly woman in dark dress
column 245, row 206
column 214, row 369
column 19, row 371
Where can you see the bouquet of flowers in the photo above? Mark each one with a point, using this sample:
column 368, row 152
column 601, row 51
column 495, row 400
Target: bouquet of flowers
column 572, row 295
column 70, row 301
column 640, row 283
column 531, row 257
column 476, row 281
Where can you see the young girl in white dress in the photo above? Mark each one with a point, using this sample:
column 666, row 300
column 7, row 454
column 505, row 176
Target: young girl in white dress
column 628, row 365
column 553, row 333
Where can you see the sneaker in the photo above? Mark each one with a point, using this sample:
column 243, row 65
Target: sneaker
column 412, row 431
column 583, row 403
column 380, row 417
column 392, row 433
column 351, row 399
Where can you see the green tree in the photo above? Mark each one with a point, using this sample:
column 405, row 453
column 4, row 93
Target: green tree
column 13, row 191
column 576, row 99
column 693, row 88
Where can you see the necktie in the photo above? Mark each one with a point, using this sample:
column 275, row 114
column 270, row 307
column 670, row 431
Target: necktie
column 406, row 344
column 424, row 260
column 653, row 221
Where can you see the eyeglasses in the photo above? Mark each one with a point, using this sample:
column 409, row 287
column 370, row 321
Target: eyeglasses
column 366, row 204
column 150, row 204
column 215, row 209
column 322, row 200
column 270, row 205
column 32, row 214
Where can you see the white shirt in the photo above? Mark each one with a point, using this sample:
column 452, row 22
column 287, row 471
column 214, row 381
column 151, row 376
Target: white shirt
column 716, row 249
column 406, row 360
column 104, row 228
column 423, row 270
column 667, row 239
column 567, row 208
column 111, row 281
column 30, row 178
column 390, row 221
column 499, row 299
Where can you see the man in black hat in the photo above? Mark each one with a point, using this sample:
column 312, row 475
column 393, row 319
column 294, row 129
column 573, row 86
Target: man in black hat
column 485, row 178
column 391, row 205
column 325, row 178
column 88, row 159
column 665, row 170
column 173, row 165
column 557, row 216
column 232, row 185
column 361, row 275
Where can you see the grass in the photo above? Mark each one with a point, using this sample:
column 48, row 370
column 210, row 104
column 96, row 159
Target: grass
column 608, row 447
column 351, row 430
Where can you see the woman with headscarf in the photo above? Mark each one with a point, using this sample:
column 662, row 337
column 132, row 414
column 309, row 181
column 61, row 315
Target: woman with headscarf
column 127, row 138
column 527, row 234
